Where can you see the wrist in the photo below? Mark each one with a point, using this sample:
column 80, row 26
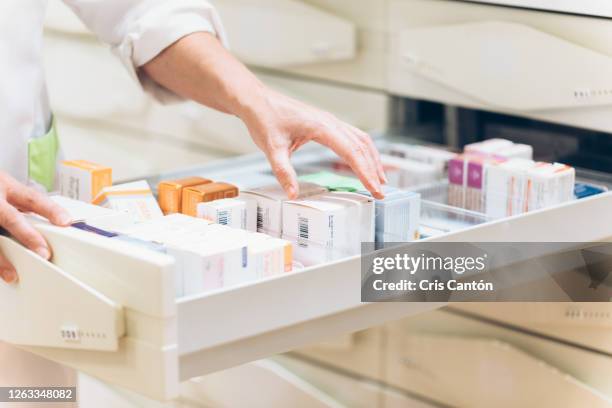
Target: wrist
column 255, row 106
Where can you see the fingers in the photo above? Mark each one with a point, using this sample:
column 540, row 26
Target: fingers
column 375, row 154
column 7, row 271
column 359, row 155
column 28, row 199
column 284, row 172
column 15, row 223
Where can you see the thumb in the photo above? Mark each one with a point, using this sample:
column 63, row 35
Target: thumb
column 284, row 172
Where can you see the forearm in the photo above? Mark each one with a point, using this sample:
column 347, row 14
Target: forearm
column 198, row 67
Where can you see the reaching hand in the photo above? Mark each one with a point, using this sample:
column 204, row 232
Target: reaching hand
column 282, row 125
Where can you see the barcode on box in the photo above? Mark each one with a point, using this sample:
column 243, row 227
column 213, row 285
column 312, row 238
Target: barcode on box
column 259, row 219
column 303, row 232
column 224, row 217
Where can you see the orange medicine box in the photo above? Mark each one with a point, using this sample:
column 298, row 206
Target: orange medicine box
column 83, row 180
column 202, row 193
column 170, row 193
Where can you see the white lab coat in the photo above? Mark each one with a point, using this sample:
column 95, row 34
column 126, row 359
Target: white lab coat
column 137, row 31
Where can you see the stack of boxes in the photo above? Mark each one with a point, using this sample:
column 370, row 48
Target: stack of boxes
column 499, row 178
column 220, row 236
column 210, row 256
column 270, row 200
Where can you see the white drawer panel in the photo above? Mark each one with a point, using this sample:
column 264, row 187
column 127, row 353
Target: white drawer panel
column 167, row 341
column 587, row 367
column 427, row 50
column 271, row 33
column 450, row 367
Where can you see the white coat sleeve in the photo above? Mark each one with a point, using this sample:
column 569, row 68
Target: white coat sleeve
column 138, row 30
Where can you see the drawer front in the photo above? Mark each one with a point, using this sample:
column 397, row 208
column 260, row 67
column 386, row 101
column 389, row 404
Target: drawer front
column 497, row 60
column 586, row 325
column 585, row 7
column 168, row 340
column 414, row 343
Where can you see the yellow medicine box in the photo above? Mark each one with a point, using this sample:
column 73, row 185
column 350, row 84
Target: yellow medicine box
column 170, row 193
column 83, row 180
column 202, row 193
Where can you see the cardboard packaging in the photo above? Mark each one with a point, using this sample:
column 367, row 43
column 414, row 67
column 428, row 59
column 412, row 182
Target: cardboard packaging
column 82, row 180
column 489, row 146
column 466, row 175
column 507, row 187
column 194, row 195
column 397, row 216
column 360, row 208
column 251, row 212
column 135, row 198
column 269, row 205
column 501, row 148
column 334, row 182
column 269, row 256
column 322, row 229
column 549, row 184
column 227, row 211
column 170, row 193
column 95, row 216
column 405, row 173
column 424, row 154
column 517, row 151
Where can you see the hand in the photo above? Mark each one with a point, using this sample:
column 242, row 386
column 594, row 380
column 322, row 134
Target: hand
column 199, row 68
column 281, row 125
column 15, row 197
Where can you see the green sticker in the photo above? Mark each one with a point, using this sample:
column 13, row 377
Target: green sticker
column 42, row 155
column 334, row 182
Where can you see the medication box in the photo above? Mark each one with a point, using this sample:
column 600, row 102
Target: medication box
column 170, row 193
column 405, row 173
column 362, row 209
column 322, row 229
column 269, row 256
column 397, row 216
column 83, row 180
column 334, row 182
column 424, row 154
column 135, row 198
column 194, row 195
column 466, row 175
column 501, row 148
column 269, row 204
column 233, row 212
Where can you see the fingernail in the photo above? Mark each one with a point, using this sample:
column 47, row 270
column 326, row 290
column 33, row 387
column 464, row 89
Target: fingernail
column 9, row 275
column 43, row 253
column 385, row 179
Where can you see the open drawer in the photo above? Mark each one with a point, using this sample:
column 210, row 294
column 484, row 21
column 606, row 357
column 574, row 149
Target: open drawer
column 109, row 309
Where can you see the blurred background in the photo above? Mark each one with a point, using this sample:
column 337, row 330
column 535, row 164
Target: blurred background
column 359, row 60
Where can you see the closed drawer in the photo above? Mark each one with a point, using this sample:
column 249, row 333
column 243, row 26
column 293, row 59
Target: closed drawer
column 587, row 325
column 519, row 61
column 169, row 340
column 423, row 349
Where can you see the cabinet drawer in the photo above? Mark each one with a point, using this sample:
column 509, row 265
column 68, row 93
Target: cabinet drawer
column 504, row 59
column 168, row 340
column 406, row 370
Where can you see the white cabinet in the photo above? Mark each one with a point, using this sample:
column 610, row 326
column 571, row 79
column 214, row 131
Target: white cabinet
column 281, row 33
column 549, row 66
column 167, row 341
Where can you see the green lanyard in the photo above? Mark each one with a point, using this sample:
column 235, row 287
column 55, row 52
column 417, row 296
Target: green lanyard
column 42, row 158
